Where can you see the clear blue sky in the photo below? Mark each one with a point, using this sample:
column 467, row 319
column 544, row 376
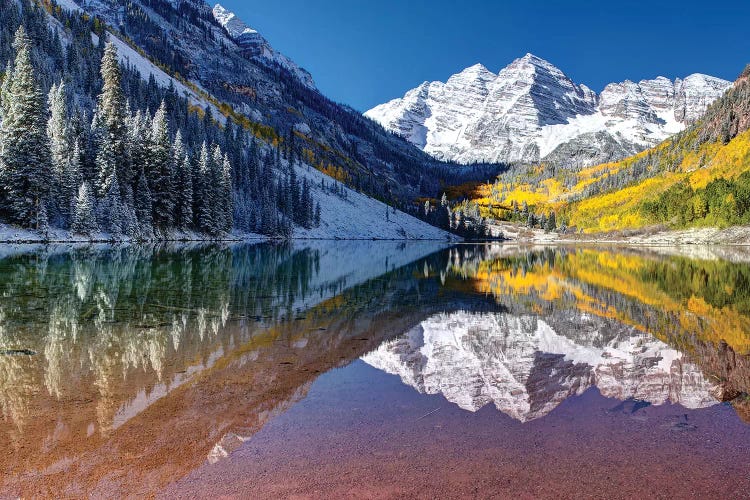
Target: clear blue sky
column 364, row 52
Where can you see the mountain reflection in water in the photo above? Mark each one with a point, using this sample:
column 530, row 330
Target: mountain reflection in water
column 123, row 369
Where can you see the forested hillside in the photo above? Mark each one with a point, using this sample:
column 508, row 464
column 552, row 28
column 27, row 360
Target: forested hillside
column 88, row 145
column 698, row 178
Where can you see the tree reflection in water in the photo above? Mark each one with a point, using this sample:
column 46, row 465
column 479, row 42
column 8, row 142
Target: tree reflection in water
column 150, row 361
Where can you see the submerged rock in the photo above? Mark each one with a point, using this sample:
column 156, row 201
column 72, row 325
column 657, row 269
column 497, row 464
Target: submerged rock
column 18, row 352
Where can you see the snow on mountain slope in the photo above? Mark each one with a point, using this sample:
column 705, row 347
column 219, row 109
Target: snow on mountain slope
column 532, row 111
column 128, row 56
column 146, row 68
column 360, row 217
column 526, row 369
column 253, row 43
column 69, row 5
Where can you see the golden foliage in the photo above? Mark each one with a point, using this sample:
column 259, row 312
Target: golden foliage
column 569, row 280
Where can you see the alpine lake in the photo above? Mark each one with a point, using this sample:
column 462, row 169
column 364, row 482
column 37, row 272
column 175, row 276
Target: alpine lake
column 374, row 370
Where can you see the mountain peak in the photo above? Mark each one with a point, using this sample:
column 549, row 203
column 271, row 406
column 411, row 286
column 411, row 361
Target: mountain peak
column 477, row 68
column 233, row 24
column 533, row 68
column 475, row 73
column 531, row 108
column 531, row 59
column 254, row 45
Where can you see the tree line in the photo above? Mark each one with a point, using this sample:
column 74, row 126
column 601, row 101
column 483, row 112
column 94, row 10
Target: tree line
column 108, row 152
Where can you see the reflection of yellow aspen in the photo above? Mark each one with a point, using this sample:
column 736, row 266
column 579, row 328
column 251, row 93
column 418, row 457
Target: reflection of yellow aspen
column 568, row 281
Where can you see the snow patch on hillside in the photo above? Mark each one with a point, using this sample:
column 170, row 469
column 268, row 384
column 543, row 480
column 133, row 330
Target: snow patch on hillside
column 127, row 55
column 361, row 217
column 69, row 5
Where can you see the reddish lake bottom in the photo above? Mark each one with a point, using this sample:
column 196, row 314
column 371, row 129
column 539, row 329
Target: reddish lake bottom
column 361, row 433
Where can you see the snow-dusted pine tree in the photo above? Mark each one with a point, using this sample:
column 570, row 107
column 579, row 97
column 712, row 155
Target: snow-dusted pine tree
column 84, row 221
column 24, row 148
column 206, row 202
column 159, row 170
column 139, row 132
column 227, row 199
column 110, row 210
column 112, row 155
column 61, row 147
column 143, row 203
column 182, row 184
column 217, row 165
column 70, row 182
column 5, row 89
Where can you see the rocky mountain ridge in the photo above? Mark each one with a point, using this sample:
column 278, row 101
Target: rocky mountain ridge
column 531, row 111
column 254, row 45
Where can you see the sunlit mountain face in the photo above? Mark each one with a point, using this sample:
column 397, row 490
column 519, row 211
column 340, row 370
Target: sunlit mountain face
column 168, row 360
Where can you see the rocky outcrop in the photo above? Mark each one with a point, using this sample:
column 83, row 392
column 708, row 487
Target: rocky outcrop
column 531, row 111
column 253, row 44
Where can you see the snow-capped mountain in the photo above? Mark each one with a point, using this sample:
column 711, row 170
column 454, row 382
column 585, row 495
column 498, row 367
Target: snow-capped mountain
column 253, row 44
column 526, row 368
column 531, row 111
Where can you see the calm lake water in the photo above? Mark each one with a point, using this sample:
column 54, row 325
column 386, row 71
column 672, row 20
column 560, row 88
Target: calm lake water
column 374, row 370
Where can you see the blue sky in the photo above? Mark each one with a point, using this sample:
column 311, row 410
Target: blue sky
column 364, row 52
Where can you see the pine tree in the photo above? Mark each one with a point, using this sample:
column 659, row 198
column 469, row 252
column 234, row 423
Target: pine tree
column 216, row 168
column 226, row 202
column 159, row 171
column 110, row 210
column 5, row 90
column 551, row 224
column 112, row 158
column 58, row 126
column 143, row 203
column 84, row 221
column 25, row 169
column 206, row 200
column 60, row 139
column 306, row 206
column 461, row 227
column 183, row 184
column 139, row 134
column 71, row 180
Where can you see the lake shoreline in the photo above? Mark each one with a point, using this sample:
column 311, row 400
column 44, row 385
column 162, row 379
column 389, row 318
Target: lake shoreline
column 16, row 236
column 737, row 236
column 507, row 233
